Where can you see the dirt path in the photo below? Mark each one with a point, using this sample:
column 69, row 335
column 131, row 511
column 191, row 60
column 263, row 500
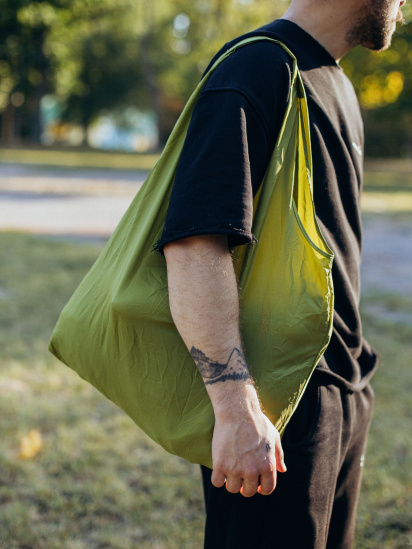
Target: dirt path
column 90, row 203
column 52, row 201
column 387, row 254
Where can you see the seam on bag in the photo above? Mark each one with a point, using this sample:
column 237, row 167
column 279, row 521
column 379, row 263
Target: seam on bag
column 305, row 234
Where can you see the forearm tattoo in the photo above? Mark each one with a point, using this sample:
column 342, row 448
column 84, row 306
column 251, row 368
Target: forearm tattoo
column 214, row 372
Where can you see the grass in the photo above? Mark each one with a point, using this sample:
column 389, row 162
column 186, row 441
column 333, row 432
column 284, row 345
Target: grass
column 97, row 481
column 79, row 158
column 383, row 202
column 384, row 519
column 387, row 186
column 379, row 173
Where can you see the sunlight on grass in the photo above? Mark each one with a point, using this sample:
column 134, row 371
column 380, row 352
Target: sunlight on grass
column 384, row 202
column 81, row 159
column 387, row 186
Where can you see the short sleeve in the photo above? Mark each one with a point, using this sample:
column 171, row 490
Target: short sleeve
column 229, row 143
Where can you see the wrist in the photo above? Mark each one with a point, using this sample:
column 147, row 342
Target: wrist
column 234, row 401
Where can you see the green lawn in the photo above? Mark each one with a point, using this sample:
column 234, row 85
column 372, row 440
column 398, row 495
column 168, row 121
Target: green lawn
column 384, row 518
column 97, row 481
column 387, row 186
column 78, row 158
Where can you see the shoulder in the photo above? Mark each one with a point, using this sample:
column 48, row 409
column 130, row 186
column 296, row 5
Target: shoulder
column 256, row 66
column 348, row 87
column 260, row 72
column 349, row 99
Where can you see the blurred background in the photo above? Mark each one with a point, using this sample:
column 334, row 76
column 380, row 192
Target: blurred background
column 89, row 92
column 115, row 75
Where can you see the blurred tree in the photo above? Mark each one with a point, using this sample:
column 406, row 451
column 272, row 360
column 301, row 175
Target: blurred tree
column 98, row 55
column 384, row 84
column 177, row 47
column 93, row 50
column 24, row 76
column 83, row 51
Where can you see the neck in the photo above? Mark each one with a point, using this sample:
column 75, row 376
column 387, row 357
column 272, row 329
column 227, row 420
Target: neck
column 325, row 22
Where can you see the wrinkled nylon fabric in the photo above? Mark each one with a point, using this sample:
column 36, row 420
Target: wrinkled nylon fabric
column 117, row 332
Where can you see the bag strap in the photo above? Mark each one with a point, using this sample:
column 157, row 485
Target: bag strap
column 165, row 168
column 296, row 81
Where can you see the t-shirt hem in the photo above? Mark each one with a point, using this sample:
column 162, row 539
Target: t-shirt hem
column 237, row 237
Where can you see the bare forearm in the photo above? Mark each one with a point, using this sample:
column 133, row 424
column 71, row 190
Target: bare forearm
column 204, row 301
column 205, row 307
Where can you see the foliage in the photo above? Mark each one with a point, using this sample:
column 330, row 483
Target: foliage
column 384, row 84
column 24, row 75
column 179, row 44
column 73, row 48
column 99, row 55
column 93, row 51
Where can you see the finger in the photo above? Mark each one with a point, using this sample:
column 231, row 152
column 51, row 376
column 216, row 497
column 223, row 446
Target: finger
column 279, row 455
column 280, row 458
column 218, row 478
column 250, row 486
column 267, row 483
column 233, row 484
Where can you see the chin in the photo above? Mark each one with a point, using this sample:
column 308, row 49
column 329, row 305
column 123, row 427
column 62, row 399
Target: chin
column 378, row 46
column 375, row 47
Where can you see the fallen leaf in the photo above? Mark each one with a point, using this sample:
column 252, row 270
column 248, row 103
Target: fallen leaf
column 30, row 445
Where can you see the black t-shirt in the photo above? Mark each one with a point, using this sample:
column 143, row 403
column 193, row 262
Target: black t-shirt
column 230, row 140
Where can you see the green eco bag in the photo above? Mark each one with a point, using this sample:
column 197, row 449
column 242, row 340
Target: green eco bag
column 117, row 331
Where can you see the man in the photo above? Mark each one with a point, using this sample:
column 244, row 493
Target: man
column 231, row 137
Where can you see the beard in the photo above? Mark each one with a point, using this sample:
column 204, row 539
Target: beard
column 374, row 25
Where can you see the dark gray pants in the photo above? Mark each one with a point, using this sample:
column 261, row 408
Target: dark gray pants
column 314, row 504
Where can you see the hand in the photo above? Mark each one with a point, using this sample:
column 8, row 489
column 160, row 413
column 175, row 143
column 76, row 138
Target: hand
column 247, row 452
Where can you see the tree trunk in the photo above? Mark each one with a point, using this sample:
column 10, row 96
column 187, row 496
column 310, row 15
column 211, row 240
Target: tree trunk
column 155, row 93
column 8, row 125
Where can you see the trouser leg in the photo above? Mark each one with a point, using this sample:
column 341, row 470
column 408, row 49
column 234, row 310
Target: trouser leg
column 343, row 519
column 317, row 445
